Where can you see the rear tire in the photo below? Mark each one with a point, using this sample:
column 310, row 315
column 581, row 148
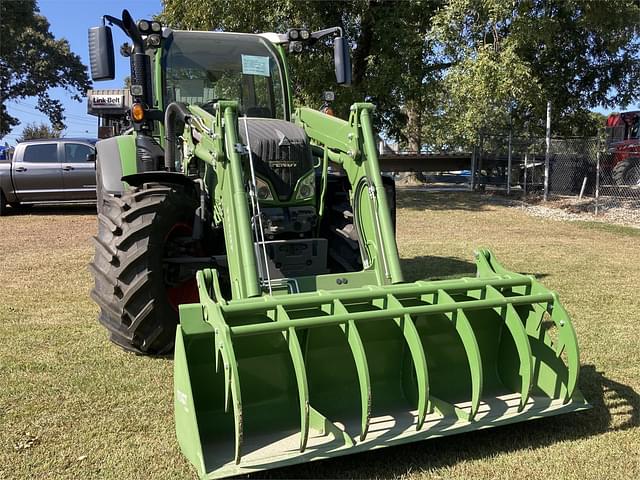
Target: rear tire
column 128, row 265
column 627, row 173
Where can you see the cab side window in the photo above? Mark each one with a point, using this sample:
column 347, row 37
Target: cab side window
column 77, row 152
column 45, row 153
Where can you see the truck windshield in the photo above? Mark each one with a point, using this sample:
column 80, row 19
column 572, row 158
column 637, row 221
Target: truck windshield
column 204, row 67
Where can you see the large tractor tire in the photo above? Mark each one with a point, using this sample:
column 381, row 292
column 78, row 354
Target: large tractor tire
column 137, row 232
column 627, row 173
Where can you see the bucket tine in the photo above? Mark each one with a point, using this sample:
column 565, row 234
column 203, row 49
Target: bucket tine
column 465, row 331
column 516, row 328
column 301, row 375
column 414, row 343
column 567, row 342
column 232, row 382
column 357, row 349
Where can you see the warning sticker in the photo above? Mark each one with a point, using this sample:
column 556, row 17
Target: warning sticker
column 255, row 65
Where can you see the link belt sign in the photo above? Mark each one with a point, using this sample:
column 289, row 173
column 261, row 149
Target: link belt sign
column 99, row 101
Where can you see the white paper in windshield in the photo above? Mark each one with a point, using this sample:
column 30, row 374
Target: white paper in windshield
column 255, row 65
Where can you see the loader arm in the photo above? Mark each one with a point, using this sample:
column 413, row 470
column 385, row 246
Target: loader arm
column 214, row 140
column 351, row 145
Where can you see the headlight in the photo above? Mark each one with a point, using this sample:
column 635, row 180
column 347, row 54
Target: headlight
column 306, row 187
column 143, row 26
column 293, row 34
column 263, row 192
column 304, row 34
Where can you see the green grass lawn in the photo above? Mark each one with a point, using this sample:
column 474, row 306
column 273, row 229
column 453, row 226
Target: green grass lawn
column 72, row 405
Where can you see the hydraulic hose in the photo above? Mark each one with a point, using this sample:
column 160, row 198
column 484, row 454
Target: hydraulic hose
column 176, row 112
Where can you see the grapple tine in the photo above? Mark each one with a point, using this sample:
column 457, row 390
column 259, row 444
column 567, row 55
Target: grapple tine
column 414, row 343
column 236, row 396
column 568, row 342
column 465, row 331
column 515, row 326
column 301, row 375
column 357, row 349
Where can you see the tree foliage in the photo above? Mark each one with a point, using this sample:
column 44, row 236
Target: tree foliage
column 33, row 131
column 441, row 71
column 32, row 61
column 514, row 56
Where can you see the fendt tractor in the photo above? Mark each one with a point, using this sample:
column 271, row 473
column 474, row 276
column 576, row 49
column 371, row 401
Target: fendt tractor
column 257, row 239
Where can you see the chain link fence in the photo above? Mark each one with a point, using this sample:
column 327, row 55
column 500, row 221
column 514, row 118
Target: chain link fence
column 582, row 171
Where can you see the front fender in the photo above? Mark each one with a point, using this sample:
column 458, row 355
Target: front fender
column 115, row 158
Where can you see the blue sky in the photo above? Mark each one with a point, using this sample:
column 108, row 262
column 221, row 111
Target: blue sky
column 70, row 19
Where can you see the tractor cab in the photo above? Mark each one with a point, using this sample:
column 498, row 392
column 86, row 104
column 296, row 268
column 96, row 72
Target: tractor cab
column 622, row 127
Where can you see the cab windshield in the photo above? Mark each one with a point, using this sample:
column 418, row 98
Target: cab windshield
column 204, row 67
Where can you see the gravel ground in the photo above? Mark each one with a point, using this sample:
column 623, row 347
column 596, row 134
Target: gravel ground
column 614, row 211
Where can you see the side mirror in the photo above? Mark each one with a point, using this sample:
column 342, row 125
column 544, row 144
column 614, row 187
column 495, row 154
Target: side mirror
column 101, row 55
column 342, row 61
column 91, row 157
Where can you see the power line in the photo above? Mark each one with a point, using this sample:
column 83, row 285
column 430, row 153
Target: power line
column 42, row 115
column 73, row 115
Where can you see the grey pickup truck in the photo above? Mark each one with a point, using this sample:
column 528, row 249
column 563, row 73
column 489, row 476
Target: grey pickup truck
column 43, row 171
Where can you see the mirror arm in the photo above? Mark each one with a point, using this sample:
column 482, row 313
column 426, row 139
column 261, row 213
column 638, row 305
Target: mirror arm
column 327, row 31
column 133, row 34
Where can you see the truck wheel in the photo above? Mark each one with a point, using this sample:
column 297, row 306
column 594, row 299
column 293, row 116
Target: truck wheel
column 627, row 173
column 137, row 233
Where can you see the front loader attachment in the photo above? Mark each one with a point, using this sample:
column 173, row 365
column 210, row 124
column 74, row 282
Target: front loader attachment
column 277, row 380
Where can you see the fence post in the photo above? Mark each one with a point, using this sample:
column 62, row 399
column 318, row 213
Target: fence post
column 472, row 177
column 526, row 167
column 509, row 162
column 479, row 165
column 547, row 153
column 597, row 176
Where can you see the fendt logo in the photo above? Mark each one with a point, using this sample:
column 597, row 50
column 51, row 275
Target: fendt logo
column 107, row 101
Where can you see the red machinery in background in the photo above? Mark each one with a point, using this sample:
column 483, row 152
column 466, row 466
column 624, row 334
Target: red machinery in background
column 623, row 142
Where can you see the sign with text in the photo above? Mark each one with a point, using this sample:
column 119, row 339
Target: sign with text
column 106, row 101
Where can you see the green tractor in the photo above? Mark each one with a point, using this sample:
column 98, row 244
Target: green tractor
column 257, row 241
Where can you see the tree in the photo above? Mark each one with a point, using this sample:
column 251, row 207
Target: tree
column 33, row 61
column 512, row 57
column 34, row 131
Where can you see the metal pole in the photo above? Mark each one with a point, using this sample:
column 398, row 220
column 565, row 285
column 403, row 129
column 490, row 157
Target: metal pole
column 547, row 152
column 479, row 167
column 509, row 161
column 526, row 166
column 597, row 178
column 472, row 179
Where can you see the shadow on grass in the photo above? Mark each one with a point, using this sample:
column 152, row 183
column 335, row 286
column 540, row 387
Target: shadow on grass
column 58, row 209
column 616, row 407
column 428, row 267
column 430, row 200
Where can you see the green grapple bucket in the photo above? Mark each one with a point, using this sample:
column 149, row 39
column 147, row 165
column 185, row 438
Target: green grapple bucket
column 277, row 380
